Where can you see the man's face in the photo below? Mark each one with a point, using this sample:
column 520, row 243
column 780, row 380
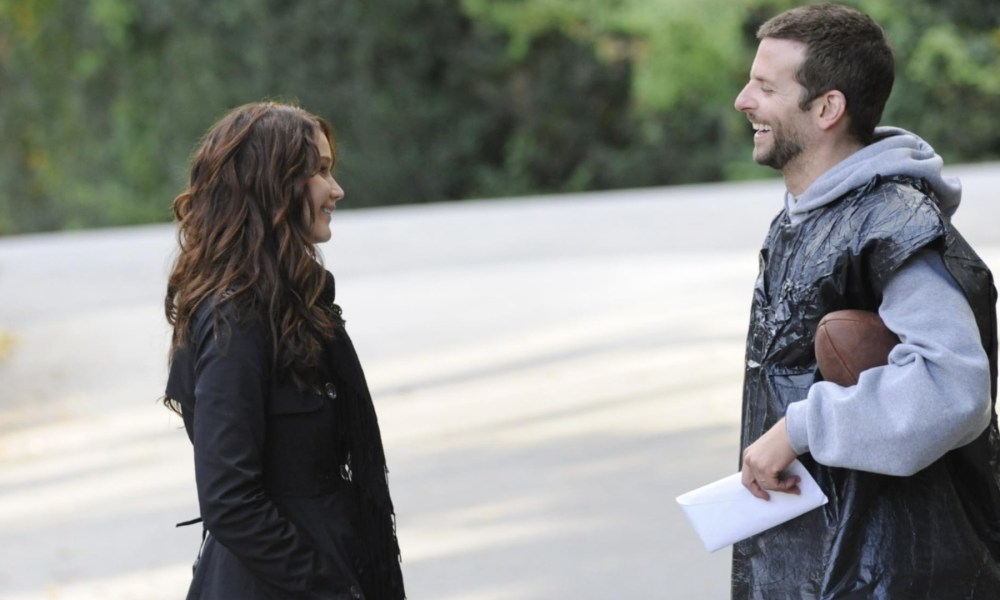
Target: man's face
column 782, row 130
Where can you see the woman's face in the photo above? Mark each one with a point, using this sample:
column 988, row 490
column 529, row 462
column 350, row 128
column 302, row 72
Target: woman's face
column 324, row 192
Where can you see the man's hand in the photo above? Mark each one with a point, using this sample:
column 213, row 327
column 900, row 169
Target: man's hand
column 764, row 461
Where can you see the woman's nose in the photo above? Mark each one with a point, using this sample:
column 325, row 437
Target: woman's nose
column 336, row 191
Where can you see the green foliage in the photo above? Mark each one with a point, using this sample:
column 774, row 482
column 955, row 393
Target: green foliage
column 948, row 76
column 103, row 101
column 675, row 48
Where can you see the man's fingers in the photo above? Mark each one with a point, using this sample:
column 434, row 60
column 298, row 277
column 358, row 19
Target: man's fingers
column 759, row 485
column 758, row 491
column 751, row 484
column 789, row 485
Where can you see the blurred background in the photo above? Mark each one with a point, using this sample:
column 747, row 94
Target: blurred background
column 103, row 101
column 545, row 259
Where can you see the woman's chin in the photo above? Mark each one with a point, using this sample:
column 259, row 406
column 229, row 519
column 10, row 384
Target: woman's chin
column 319, row 237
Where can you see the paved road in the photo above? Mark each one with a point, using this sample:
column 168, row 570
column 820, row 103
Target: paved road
column 549, row 373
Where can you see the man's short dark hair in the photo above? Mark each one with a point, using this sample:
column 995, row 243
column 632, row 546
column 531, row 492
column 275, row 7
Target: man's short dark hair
column 846, row 50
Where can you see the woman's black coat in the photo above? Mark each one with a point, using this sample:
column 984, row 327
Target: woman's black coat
column 278, row 514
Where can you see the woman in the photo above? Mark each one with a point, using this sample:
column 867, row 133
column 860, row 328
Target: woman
column 289, row 464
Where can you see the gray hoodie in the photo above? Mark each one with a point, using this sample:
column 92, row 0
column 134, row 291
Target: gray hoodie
column 934, row 395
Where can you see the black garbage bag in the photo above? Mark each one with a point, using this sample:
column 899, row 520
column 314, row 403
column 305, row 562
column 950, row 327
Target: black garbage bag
column 934, row 535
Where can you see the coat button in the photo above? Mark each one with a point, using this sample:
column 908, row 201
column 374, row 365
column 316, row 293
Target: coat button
column 331, row 391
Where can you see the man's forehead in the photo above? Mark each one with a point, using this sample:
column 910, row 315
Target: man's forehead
column 777, row 59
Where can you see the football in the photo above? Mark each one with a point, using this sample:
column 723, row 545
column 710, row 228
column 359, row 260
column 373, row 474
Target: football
column 848, row 342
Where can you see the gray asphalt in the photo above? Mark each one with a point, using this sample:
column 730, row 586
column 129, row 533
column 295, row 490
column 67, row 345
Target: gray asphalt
column 550, row 373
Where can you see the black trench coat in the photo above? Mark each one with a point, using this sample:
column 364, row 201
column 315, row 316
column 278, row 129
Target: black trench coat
column 277, row 512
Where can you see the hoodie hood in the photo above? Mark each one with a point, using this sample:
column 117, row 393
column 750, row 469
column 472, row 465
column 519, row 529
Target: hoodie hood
column 895, row 151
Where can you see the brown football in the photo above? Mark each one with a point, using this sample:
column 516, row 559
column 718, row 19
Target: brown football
column 849, row 342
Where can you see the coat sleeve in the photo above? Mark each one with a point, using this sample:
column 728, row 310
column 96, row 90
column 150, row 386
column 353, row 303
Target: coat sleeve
column 932, row 397
column 231, row 382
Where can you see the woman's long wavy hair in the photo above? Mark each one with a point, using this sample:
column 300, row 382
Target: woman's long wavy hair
column 244, row 226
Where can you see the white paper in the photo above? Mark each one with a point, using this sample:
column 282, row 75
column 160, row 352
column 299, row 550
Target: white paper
column 725, row 512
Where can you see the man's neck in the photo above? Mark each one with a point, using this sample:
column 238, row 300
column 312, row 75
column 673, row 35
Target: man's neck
column 800, row 173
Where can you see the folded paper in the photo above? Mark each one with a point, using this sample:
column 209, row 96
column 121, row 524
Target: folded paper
column 725, row 512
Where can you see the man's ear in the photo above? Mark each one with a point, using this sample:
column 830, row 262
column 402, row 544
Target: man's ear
column 830, row 109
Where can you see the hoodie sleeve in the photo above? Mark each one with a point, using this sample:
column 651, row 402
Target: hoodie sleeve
column 932, row 397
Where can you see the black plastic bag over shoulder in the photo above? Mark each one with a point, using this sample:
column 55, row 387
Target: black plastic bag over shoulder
column 933, row 535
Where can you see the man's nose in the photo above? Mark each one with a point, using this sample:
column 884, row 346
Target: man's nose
column 744, row 102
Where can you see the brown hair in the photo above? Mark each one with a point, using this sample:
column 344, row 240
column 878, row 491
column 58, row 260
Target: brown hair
column 845, row 50
column 243, row 232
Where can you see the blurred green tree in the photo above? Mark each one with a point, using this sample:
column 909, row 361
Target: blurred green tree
column 102, row 101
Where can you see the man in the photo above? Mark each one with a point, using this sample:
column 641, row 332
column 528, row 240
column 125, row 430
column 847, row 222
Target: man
column 908, row 456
